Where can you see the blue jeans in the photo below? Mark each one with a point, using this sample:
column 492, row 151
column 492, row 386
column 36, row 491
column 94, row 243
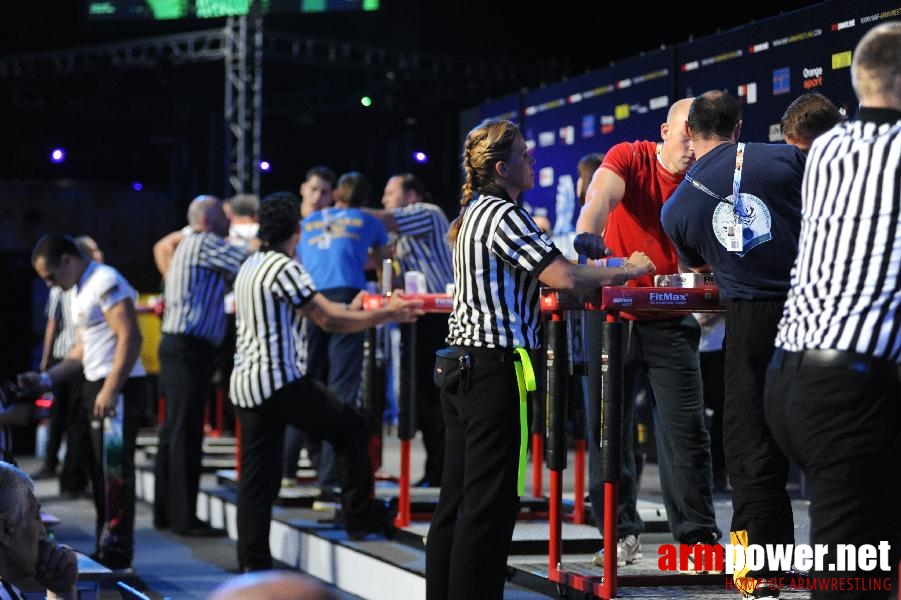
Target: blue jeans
column 665, row 355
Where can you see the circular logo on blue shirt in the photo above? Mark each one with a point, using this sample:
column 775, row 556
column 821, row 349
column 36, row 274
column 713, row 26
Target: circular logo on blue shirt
column 751, row 213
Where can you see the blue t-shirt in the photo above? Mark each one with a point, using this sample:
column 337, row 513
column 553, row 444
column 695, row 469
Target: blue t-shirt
column 769, row 212
column 334, row 244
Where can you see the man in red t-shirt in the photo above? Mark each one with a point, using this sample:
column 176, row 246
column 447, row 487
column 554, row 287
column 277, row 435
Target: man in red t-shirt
column 621, row 215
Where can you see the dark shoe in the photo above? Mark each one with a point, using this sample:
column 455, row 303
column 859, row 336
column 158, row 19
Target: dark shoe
column 46, row 472
column 116, row 563
column 76, row 494
column 379, row 520
column 199, row 530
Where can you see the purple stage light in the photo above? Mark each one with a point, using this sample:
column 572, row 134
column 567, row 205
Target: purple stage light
column 137, row 186
column 58, row 155
column 265, row 166
column 420, row 157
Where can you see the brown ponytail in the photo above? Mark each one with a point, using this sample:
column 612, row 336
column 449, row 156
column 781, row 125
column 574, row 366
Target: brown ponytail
column 486, row 145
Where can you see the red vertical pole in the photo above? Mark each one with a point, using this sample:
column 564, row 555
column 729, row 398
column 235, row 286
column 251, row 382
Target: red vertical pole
column 537, row 465
column 220, row 413
column 238, row 448
column 403, row 508
column 579, row 483
column 610, row 538
column 555, row 523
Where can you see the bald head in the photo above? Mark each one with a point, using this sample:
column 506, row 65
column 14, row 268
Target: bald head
column 205, row 213
column 272, row 585
column 676, row 153
column 678, row 112
column 876, row 67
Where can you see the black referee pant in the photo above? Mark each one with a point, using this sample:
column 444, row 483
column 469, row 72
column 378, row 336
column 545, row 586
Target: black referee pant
column 309, row 406
column 186, row 370
column 843, row 427
column 472, row 528
column 757, row 466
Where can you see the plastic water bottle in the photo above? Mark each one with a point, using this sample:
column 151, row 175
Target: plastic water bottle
column 41, row 436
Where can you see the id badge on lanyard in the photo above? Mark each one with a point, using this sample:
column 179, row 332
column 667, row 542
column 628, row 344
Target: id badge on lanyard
column 734, row 234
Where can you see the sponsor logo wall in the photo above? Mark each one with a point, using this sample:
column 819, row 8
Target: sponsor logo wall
column 766, row 64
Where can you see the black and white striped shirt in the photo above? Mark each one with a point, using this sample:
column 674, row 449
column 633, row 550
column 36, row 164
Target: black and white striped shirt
column 421, row 244
column 846, row 285
column 59, row 308
column 498, row 255
column 201, row 269
column 9, row 592
column 271, row 351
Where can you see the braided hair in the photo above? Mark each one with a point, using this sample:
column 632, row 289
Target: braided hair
column 487, row 144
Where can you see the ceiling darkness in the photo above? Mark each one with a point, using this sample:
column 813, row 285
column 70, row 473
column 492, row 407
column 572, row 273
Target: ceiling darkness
column 164, row 122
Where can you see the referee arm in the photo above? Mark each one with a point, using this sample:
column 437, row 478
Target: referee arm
column 164, row 249
column 337, row 317
column 562, row 275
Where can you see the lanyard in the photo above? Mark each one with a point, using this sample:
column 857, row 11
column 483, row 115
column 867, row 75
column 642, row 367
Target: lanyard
column 525, row 379
column 737, row 204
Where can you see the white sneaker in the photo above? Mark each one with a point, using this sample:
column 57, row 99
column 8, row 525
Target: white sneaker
column 707, row 554
column 628, row 551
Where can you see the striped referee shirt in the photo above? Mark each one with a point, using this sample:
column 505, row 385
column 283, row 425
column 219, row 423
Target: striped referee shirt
column 498, row 255
column 271, row 351
column 201, row 269
column 846, row 285
column 421, row 244
column 59, row 308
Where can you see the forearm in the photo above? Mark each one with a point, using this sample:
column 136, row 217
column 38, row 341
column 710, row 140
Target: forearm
column 65, row 369
column 588, row 278
column 385, row 216
column 161, row 258
column 338, row 318
column 565, row 276
column 47, row 350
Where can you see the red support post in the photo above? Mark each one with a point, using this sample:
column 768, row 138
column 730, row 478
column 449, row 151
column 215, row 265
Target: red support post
column 579, row 484
column 537, row 465
column 403, row 508
column 237, row 449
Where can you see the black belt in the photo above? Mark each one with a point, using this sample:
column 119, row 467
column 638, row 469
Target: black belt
column 840, row 359
column 480, row 354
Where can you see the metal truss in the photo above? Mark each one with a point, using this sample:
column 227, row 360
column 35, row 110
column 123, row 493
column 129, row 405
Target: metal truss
column 242, row 47
column 196, row 46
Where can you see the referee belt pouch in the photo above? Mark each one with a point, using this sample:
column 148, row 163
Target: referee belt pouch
column 451, row 370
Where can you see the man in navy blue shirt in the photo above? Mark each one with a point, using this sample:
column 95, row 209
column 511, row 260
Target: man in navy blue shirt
column 738, row 213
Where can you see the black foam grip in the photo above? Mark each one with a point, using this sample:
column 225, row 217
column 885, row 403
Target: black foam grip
column 556, row 395
column 406, row 420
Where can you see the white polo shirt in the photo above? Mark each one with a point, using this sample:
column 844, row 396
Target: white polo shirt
column 101, row 287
